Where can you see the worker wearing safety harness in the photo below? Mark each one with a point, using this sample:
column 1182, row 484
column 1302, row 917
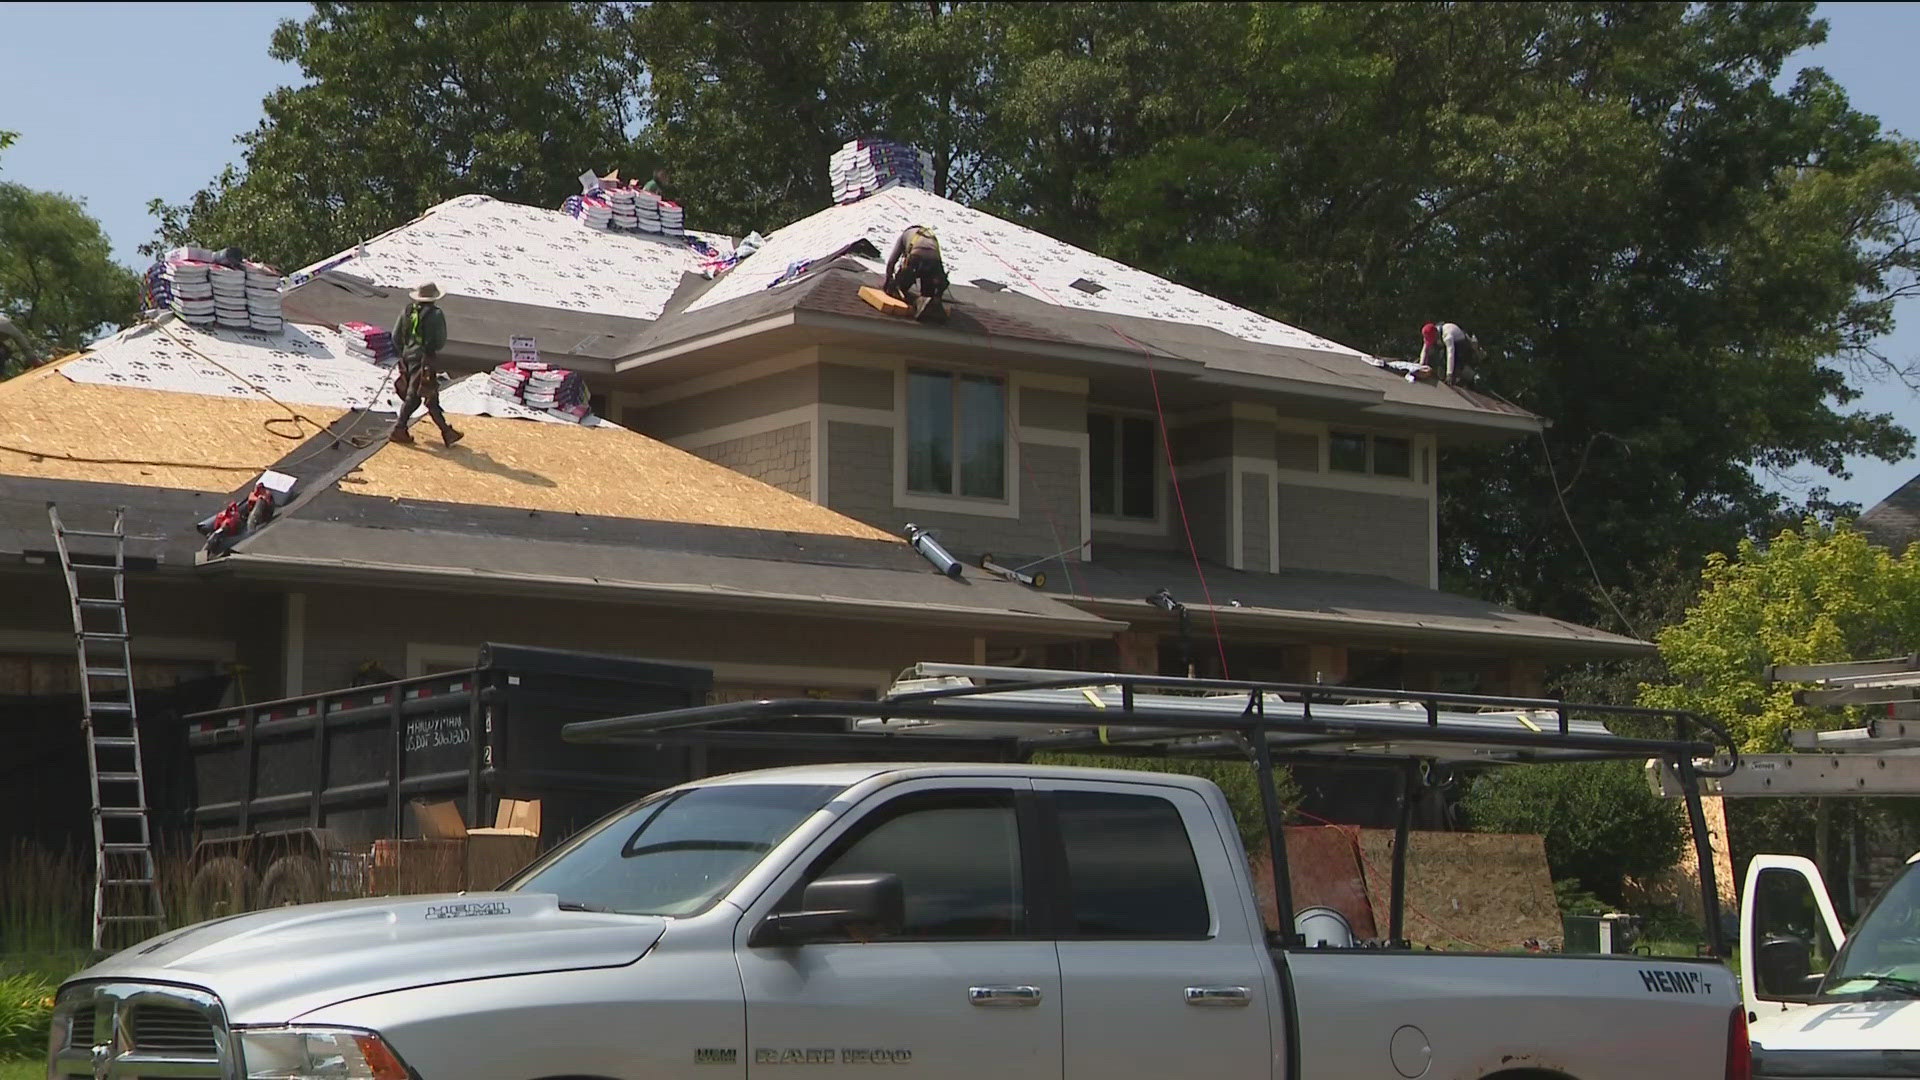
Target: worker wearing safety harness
column 417, row 339
column 915, row 260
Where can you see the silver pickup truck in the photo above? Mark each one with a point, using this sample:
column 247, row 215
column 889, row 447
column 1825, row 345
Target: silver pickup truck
column 950, row 921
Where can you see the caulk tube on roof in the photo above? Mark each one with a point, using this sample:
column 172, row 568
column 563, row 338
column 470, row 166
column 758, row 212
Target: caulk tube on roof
column 930, row 550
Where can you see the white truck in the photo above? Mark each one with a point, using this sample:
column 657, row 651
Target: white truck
column 946, row 921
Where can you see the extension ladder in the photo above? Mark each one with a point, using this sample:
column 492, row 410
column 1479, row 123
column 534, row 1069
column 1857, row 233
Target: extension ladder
column 126, row 892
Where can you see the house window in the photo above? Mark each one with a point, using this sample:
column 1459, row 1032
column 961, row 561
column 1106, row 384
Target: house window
column 1381, row 455
column 1347, row 452
column 1122, row 459
column 956, row 434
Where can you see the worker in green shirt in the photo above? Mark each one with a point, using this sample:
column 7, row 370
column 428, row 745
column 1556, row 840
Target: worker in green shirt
column 417, row 340
column 662, row 177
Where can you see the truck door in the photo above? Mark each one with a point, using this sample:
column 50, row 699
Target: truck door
column 1162, row 971
column 1788, row 933
column 969, row 989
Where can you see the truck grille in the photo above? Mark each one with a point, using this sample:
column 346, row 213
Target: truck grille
column 165, row 1030
column 139, row 1031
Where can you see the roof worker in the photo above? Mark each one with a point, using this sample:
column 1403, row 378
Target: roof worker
column 661, row 182
column 1459, row 349
column 417, row 340
column 14, row 346
column 915, row 260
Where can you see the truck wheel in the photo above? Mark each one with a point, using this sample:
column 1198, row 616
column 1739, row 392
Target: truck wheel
column 221, row 887
column 295, row 879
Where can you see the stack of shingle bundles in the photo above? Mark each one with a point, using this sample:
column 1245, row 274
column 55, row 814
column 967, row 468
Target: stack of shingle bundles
column 263, row 298
column 156, row 295
column 190, row 289
column 230, row 297
column 368, row 342
column 864, row 166
column 673, row 219
column 646, row 209
column 594, row 211
column 509, row 381
column 621, row 201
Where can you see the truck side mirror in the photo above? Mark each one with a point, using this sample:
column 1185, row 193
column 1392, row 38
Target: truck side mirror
column 1784, row 965
column 831, row 908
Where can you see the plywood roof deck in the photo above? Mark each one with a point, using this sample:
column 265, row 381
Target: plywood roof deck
column 606, row 471
column 148, row 438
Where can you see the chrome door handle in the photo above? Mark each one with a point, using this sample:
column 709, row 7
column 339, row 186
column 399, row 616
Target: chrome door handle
column 1220, row 997
column 1003, row 997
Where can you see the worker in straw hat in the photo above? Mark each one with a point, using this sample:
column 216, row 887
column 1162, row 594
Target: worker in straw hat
column 417, row 340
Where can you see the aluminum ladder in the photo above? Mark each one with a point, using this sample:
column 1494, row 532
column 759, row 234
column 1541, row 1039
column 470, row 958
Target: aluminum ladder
column 126, row 894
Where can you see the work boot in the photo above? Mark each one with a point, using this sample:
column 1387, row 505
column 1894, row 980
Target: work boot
column 400, row 435
column 449, row 436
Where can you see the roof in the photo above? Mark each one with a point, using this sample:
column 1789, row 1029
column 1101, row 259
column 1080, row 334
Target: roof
column 1894, row 522
column 478, row 246
column 168, row 405
column 663, row 563
column 1357, row 607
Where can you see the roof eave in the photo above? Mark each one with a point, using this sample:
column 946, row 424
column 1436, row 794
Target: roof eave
column 663, row 594
column 1360, row 628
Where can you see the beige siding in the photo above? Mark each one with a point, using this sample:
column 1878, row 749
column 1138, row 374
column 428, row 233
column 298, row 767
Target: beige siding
column 346, row 627
column 1354, row 531
column 1255, row 537
column 860, row 485
column 857, row 387
column 1053, row 409
column 1296, row 450
column 746, row 401
column 783, row 458
column 1207, row 512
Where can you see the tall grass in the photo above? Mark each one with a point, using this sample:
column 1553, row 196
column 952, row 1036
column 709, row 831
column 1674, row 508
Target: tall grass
column 26, row 1005
column 46, row 905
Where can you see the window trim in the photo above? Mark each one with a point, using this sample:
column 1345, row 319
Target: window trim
column 1008, row 506
column 1117, row 523
column 1036, row 880
column 1059, row 886
column 1416, row 444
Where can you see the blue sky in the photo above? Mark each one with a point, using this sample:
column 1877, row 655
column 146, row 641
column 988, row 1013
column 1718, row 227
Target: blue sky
column 164, row 88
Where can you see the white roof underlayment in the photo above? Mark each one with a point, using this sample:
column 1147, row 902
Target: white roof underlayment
column 478, row 246
column 975, row 245
column 304, row 365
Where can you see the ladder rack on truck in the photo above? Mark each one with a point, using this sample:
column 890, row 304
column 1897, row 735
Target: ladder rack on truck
column 1009, row 713
column 1881, row 757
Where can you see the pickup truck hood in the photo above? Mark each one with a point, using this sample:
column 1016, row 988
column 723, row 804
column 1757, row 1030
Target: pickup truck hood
column 272, row 966
column 1851, row 1025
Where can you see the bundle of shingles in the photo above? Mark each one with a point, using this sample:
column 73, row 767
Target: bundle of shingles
column 864, row 166
column 368, row 342
column 542, row 386
column 203, row 290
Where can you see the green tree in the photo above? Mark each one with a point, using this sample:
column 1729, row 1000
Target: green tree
column 1818, row 594
column 407, row 104
column 58, row 281
column 1601, row 821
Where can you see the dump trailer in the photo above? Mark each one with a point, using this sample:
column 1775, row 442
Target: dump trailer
column 295, row 800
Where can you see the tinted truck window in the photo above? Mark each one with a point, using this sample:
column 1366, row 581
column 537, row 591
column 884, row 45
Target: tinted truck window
column 1130, row 869
column 958, row 859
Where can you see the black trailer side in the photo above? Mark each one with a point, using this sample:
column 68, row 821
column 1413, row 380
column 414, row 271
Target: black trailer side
column 283, row 785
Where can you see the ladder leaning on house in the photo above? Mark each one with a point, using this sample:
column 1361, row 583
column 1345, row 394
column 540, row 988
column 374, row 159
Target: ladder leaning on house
column 126, row 893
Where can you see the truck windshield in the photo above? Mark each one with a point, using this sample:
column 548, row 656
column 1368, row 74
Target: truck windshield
column 674, row 853
column 1882, row 955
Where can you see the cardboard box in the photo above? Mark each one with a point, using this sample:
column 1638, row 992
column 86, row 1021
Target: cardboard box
column 490, row 856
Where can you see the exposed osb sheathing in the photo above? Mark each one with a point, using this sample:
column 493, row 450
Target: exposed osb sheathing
column 604, row 471
column 1474, row 891
column 149, row 438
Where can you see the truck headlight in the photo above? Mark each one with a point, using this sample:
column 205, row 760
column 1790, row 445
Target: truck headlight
column 317, row 1054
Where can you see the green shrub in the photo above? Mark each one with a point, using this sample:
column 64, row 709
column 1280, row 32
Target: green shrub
column 1602, row 821
column 26, row 1004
